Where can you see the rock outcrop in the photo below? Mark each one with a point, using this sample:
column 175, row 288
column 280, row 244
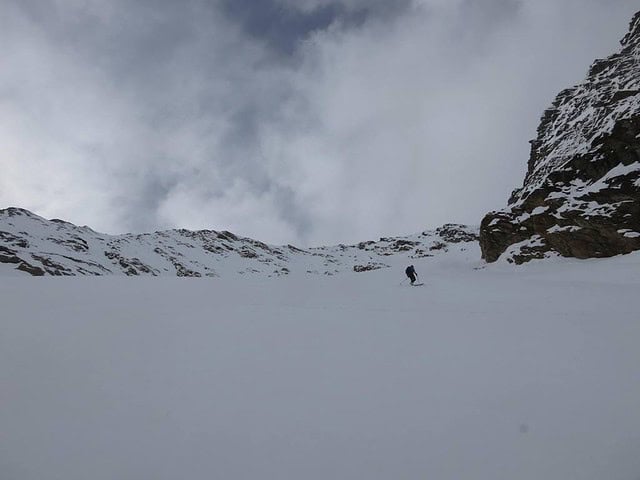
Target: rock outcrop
column 32, row 245
column 581, row 193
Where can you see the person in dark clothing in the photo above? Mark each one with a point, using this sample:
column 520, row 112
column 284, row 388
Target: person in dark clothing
column 411, row 273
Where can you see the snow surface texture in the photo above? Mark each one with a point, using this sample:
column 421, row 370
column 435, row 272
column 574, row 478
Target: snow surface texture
column 486, row 372
column 29, row 244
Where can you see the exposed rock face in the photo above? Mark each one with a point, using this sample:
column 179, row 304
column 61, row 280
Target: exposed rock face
column 36, row 246
column 581, row 194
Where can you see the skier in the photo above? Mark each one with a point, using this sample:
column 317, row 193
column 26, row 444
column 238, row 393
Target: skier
column 411, row 273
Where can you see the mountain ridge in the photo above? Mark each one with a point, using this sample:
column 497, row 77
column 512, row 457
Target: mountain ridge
column 581, row 193
column 34, row 245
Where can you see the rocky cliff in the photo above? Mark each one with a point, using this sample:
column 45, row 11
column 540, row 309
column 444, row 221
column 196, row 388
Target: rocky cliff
column 30, row 244
column 581, row 193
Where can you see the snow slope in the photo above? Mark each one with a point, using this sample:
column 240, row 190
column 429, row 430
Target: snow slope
column 486, row 372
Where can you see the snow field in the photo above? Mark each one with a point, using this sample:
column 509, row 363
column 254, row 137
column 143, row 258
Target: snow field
column 507, row 372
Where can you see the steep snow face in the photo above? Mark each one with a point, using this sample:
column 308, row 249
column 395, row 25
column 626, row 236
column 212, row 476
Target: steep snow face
column 29, row 244
column 584, row 170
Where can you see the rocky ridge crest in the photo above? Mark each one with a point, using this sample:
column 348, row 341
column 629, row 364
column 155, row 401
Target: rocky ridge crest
column 33, row 245
column 581, row 194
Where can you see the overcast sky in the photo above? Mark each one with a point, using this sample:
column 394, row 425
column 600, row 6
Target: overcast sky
column 291, row 121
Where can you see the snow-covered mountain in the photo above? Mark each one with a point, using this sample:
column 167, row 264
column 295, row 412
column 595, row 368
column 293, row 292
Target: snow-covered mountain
column 36, row 246
column 580, row 198
column 581, row 194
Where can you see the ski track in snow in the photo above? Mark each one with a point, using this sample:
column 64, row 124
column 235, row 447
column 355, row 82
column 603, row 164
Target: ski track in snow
column 486, row 372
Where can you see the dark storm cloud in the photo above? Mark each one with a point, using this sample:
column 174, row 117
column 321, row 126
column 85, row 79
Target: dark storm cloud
column 284, row 28
column 287, row 120
column 281, row 27
column 490, row 12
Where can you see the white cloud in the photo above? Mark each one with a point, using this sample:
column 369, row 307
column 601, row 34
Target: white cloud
column 179, row 119
column 425, row 123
